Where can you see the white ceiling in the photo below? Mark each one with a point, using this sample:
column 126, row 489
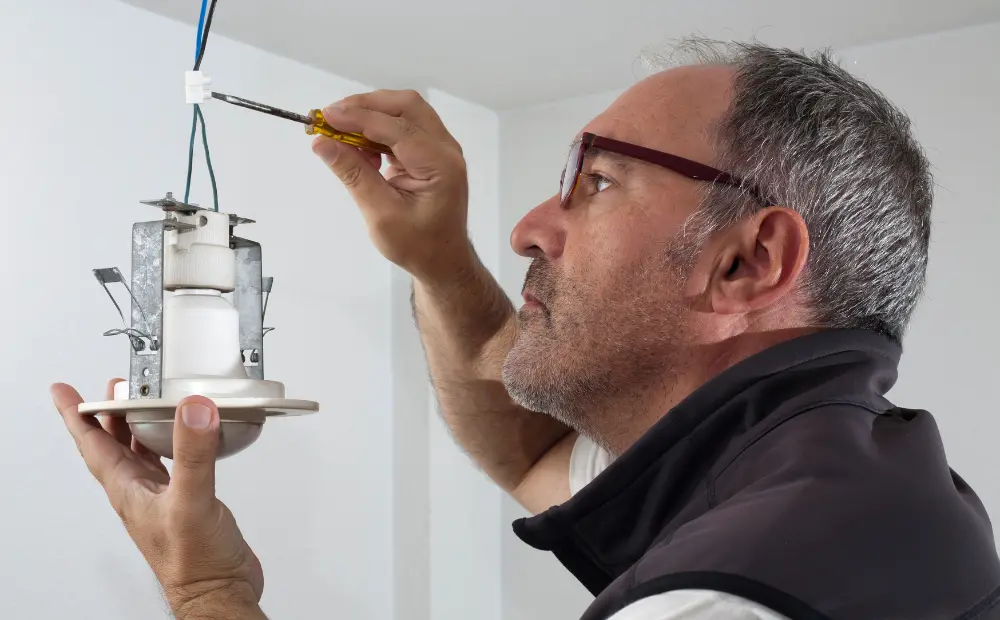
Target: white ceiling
column 521, row 52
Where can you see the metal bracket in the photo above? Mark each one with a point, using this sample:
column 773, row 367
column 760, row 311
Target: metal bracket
column 145, row 328
column 169, row 204
column 146, row 365
column 268, row 284
column 248, row 300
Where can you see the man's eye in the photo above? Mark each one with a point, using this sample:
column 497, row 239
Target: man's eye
column 597, row 182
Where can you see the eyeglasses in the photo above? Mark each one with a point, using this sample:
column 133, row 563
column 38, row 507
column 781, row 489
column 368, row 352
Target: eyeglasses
column 686, row 167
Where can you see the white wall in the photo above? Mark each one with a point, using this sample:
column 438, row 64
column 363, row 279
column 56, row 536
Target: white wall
column 465, row 504
column 447, row 513
column 91, row 121
column 950, row 86
column 411, row 481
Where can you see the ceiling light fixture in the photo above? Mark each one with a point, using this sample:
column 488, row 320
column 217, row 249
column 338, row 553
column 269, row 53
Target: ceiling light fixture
column 185, row 337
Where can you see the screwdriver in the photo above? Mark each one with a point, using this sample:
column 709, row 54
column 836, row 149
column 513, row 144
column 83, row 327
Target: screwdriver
column 314, row 122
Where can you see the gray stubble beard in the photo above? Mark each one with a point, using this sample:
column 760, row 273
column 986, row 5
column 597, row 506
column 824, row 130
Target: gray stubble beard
column 627, row 368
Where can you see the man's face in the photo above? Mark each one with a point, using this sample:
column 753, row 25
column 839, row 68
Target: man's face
column 605, row 316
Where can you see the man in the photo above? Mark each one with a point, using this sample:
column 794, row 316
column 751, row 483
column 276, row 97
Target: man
column 691, row 398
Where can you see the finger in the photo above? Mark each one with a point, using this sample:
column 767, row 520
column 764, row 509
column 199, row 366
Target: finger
column 364, row 181
column 395, row 168
column 405, row 103
column 147, row 456
column 422, row 155
column 116, row 426
column 99, row 450
column 109, row 390
column 196, row 444
column 374, row 158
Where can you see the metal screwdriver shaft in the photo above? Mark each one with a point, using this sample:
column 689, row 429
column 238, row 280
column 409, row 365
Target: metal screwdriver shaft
column 314, row 122
column 266, row 109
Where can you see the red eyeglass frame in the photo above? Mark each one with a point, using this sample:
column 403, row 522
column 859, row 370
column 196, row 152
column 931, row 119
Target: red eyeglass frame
column 685, row 167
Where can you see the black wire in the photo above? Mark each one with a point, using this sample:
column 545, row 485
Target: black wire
column 194, row 129
column 208, row 157
column 204, row 37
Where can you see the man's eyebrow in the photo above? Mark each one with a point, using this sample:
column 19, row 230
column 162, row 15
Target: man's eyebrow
column 614, row 160
column 620, row 162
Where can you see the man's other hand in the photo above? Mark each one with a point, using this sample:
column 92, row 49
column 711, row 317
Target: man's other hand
column 187, row 535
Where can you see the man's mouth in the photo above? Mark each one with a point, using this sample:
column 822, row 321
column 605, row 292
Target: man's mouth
column 531, row 302
column 537, row 287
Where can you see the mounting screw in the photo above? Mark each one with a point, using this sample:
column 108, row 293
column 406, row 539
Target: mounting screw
column 144, row 390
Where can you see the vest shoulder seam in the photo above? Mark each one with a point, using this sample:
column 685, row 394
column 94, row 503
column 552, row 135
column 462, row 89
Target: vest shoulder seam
column 767, row 430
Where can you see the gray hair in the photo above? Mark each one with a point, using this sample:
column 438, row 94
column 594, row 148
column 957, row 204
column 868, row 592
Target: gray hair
column 816, row 139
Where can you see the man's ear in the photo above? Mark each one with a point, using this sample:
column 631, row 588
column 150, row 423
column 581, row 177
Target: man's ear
column 760, row 261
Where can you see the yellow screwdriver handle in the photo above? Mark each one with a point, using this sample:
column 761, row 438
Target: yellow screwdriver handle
column 320, row 126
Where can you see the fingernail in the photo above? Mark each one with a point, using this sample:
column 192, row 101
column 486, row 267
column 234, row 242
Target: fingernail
column 334, row 109
column 196, row 415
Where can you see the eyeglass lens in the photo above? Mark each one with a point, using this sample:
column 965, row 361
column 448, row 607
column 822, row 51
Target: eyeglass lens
column 570, row 172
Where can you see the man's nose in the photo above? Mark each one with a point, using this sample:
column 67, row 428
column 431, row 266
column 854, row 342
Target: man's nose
column 542, row 232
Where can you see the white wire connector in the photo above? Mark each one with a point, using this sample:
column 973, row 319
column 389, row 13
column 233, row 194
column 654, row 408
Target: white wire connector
column 196, row 87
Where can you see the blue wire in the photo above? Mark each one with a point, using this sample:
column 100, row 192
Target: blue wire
column 201, row 28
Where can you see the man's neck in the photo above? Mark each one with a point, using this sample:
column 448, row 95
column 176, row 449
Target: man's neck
column 621, row 423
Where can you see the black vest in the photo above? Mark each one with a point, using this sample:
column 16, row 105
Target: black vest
column 791, row 481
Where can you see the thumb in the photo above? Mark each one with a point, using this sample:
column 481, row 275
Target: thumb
column 355, row 170
column 196, row 444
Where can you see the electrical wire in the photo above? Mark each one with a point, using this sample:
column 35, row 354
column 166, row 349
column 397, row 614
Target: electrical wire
column 194, row 112
column 208, row 158
column 194, row 131
column 203, row 42
column 201, row 29
column 204, row 26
